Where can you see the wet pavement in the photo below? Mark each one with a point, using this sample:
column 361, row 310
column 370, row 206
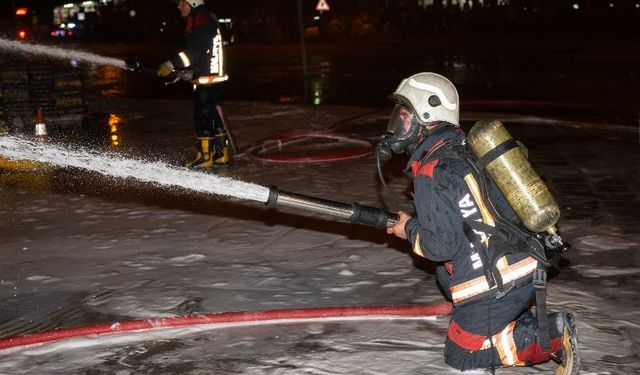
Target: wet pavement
column 590, row 164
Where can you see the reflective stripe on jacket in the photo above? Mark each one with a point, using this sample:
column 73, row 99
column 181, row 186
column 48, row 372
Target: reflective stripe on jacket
column 203, row 51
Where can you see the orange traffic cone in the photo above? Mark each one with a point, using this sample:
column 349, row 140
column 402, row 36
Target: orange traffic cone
column 41, row 128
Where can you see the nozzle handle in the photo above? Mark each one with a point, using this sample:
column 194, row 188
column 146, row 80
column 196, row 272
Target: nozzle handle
column 373, row 216
column 134, row 64
column 354, row 212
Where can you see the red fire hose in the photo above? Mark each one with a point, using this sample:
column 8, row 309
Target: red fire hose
column 267, row 149
column 238, row 318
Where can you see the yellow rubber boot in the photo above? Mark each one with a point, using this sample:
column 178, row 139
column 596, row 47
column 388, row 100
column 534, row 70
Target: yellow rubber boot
column 570, row 357
column 221, row 155
column 204, row 154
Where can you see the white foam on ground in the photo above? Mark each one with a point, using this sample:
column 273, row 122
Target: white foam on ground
column 603, row 243
column 215, row 263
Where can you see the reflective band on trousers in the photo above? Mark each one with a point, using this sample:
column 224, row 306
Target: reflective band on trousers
column 503, row 341
column 479, row 285
column 209, row 80
column 506, row 346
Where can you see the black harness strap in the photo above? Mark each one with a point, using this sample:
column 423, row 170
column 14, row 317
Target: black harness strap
column 496, row 153
column 540, row 286
column 516, row 236
column 458, row 150
column 449, row 149
column 480, row 249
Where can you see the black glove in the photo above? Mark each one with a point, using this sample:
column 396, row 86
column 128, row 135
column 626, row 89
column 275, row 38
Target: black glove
column 185, row 74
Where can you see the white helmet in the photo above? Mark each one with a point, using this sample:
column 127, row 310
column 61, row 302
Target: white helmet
column 194, row 3
column 431, row 96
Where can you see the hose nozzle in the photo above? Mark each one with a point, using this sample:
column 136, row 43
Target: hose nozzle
column 354, row 212
column 133, row 64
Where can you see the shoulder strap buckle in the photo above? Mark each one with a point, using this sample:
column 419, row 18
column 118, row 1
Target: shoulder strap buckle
column 540, row 279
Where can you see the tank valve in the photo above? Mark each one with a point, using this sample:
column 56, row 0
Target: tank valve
column 555, row 244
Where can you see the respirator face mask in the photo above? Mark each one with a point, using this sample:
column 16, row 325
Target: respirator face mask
column 401, row 135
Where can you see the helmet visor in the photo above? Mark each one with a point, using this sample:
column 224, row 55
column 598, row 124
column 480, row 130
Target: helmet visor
column 402, row 122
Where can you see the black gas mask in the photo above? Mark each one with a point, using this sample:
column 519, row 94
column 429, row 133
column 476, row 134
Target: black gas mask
column 401, row 135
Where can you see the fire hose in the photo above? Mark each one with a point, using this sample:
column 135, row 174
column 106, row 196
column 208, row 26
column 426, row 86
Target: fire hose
column 354, row 212
column 241, row 318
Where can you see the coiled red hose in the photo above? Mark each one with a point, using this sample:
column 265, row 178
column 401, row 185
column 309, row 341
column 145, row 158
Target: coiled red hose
column 231, row 318
column 261, row 152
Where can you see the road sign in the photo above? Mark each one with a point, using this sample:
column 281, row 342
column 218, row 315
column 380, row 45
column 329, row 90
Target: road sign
column 322, row 6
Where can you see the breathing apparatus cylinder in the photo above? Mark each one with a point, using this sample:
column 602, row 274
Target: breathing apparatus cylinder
column 509, row 168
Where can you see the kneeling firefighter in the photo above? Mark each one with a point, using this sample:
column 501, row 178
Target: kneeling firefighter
column 491, row 265
column 202, row 63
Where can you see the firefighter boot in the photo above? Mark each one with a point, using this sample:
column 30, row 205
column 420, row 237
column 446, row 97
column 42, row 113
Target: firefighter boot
column 220, row 155
column 569, row 356
column 204, row 155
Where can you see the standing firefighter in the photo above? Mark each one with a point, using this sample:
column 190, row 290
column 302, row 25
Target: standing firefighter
column 487, row 261
column 202, row 63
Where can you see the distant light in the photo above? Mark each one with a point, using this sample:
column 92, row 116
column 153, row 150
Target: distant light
column 317, row 92
column 576, row 6
column 80, row 16
column 68, row 5
column 164, row 23
column 316, row 18
column 610, row 5
column 62, row 26
column 114, row 122
column 22, row 34
column 87, row 3
column 21, row 11
column 132, row 13
column 637, row 5
column 71, row 25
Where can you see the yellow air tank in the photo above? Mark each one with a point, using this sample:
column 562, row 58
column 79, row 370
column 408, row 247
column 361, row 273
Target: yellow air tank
column 515, row 177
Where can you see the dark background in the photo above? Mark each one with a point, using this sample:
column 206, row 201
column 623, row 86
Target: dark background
column 579, row 52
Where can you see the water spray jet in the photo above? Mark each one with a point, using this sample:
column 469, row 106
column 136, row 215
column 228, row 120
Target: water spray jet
column 164, row 175
column 14, row 46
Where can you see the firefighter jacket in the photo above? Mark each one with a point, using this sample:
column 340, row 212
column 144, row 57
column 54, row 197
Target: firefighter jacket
column 203, row 53
column 447, row 197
